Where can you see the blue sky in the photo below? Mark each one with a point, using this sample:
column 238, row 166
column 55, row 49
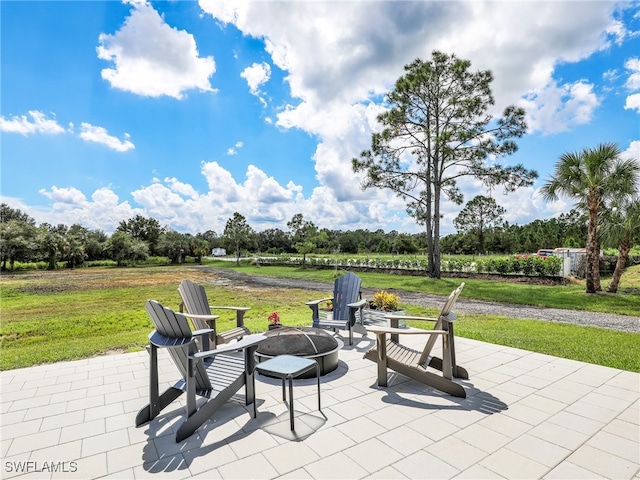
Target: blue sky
column 190, row 111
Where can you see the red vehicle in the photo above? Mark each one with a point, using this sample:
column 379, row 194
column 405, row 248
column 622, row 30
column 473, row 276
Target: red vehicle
column 543, row 252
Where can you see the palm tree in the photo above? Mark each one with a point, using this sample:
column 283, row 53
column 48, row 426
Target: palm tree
column 590, row 177
column 623, row 223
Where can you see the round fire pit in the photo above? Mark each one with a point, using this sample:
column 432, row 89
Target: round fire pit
column 307, row 342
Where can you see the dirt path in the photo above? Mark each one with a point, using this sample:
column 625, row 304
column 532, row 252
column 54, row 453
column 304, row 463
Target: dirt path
column 616, row 322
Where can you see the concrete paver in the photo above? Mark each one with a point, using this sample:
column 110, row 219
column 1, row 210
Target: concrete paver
column 526, row 415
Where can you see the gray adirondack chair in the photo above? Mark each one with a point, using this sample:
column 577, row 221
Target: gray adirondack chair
column 194, row 300
column 389, row 353
column 347, row 305
column 213, row 374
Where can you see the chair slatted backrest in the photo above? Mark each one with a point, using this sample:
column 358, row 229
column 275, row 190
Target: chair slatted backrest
column 451, row 301
column 172, row 325
column 445, row 315
column 195, row 301
column 346, row 290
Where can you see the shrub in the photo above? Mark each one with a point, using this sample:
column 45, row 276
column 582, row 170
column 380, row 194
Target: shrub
column 526, row 265
column 159, row 261
column 506, row 265
column 30, row 266
column 101, row 263
column 552, row 266
column 385, row 301
column 502, row 265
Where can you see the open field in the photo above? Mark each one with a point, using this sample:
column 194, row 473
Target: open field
column 71, row 314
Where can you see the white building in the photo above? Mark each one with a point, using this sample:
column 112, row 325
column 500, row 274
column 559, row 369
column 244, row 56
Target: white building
column 571, row 257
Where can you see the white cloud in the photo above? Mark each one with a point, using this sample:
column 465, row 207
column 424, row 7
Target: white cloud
column 633, row 102
column 70, row 195
column 220, row 181
column 611, row 75
column 371, row 41
column 558, row 108
column 103, row 211
column 39, row 123
column 633, row 151
column 152, row 58
column 232, row 150
column 264, row 189
column 258, row 188
column 92, row 133
column 260, row 198
column 618, row 31
column 633, row 66
column 181, row 188
column 256, row 75
column 158, row 200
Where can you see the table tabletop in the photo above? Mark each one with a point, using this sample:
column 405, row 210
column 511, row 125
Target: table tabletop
column 286, row 365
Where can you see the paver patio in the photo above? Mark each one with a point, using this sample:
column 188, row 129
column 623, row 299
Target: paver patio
column 526, row 415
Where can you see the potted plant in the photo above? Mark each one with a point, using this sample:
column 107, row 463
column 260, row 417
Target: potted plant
column 383, row 303
column 326, row 313
column 274, row 321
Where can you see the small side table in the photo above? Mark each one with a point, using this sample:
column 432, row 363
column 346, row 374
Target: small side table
column 287, row 367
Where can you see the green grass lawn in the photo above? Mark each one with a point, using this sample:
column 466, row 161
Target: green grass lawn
column 71, row 314
column 588, row 344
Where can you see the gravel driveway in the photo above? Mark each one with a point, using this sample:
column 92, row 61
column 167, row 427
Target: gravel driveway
column 616, row 322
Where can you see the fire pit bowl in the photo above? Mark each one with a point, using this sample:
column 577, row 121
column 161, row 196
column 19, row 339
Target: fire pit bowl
column 307, row 342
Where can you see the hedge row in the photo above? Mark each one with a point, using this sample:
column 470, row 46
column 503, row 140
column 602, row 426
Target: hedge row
column 531, row 266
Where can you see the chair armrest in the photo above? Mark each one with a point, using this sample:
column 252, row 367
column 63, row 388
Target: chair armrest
column 246, row 342
column 238, row 309
column 409, row 317
column 358, row 304
column 404, row 331
column 315, row 310
column 202, row 317
column 202, row 331
column 449, row 317
column 316, row 302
